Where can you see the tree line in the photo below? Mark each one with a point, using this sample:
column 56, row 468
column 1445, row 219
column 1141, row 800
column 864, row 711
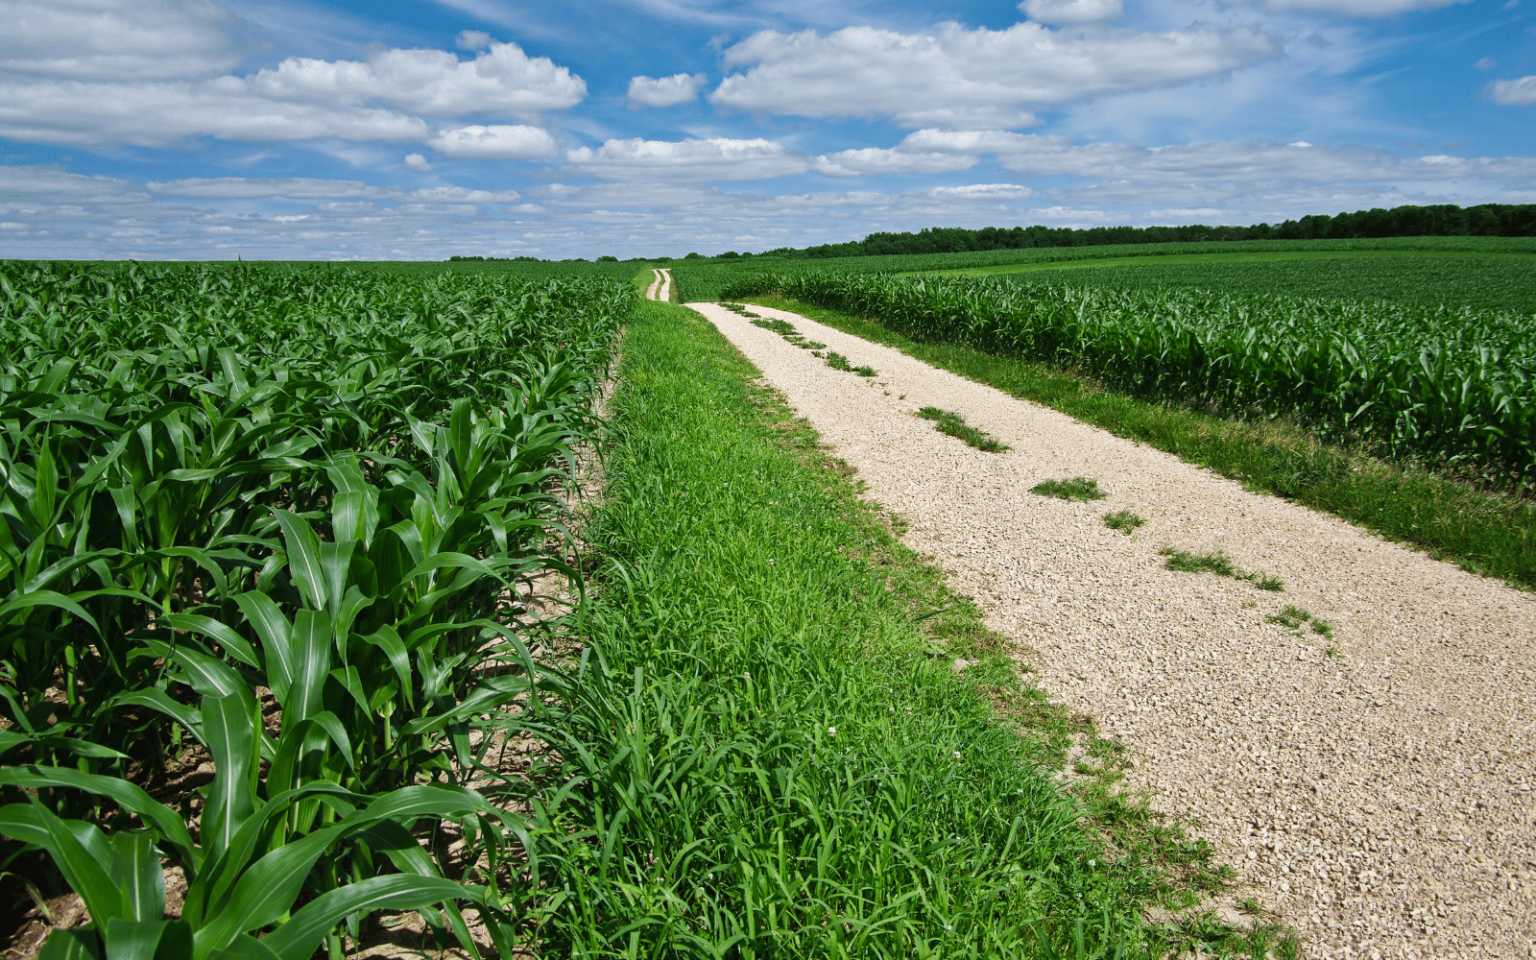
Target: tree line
column 1439, row 220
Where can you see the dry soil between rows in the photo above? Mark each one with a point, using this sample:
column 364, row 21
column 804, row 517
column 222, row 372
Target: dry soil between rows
column 1380, row 801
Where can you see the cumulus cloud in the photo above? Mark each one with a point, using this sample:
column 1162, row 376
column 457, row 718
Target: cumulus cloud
column 874, row 162
column 712, row 159
column 499, row 142
column 417, row 162
column 119, row 40
column 381, row 99
column 962, row 78
column 664, row 91
column 1072, row 13
column 1513, row 93
column 1354, row 8
column 157, row 114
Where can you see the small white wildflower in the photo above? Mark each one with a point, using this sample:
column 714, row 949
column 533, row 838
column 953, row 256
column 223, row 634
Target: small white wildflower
column 747, row 675
column 957, row 754
column 1093, row 863
column 770, row 563
column 831, row 731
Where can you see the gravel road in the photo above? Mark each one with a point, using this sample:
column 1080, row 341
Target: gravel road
column 1374, row 789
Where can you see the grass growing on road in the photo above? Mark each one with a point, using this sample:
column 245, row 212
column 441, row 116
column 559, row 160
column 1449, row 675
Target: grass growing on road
column 1487, row 533
column 1220, row 564
column 778, row 759
column 1123, row 520
column 955, row 426
column 1080, row 489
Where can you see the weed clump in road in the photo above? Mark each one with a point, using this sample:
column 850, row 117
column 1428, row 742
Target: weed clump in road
column 1295, row 618
column 1123, row 520
column 1078, row 488
column 1220, row 564
column 954, row 425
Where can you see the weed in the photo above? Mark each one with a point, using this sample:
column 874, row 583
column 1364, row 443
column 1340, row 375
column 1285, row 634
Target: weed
column 837, row 361
column 1123, row 520
column 1078, row 488
column 954, row 425
column 1220, row 564
column 1290, row 617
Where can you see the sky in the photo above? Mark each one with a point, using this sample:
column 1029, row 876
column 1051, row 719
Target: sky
column 421, row 129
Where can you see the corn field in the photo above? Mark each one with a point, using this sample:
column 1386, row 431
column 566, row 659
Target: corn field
column 1446, row 386
column 275, row 519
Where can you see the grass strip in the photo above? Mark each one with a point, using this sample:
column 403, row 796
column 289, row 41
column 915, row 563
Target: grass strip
column 1486, row 533
column 1220, row 564
column 955, row 426
column 774, row 751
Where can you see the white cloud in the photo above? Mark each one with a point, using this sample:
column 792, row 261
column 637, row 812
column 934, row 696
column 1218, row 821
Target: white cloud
column 982, row 191
column 712, row 159
column 429, row 82
column 473, row 40
column 1485, row 64
column 1354, row 8
column 664, row 91
column 314, row 188
column 293, row 188
column 874, row 162
column 961, row 78
column 1181, row 171
column 300, row 99
column 1071, row 13
column 500, row 142
column 1513, row 93
column 157, row 114
column 119, row 40
column 417, row 162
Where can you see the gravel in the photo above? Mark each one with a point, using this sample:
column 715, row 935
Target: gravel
column 1374, row 789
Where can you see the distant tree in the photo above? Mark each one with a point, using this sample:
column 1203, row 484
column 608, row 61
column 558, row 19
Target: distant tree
column 694, row 256
column 607, row 259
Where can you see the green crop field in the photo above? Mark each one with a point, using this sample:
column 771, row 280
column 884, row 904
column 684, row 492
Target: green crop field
column 1446, row 386
column 1482, row 281
column 270, row 529
column 273, row 518
column 704, row 279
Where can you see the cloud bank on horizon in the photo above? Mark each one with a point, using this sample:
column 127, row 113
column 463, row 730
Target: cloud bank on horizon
column 282, row 129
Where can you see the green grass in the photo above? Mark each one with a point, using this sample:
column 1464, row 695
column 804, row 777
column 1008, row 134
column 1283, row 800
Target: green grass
column 1123, row 520
column 954, row 425
column 1078, row 488
column 1487, row 533
column 771, row 752
column 1220, row 564
column 1295, row 618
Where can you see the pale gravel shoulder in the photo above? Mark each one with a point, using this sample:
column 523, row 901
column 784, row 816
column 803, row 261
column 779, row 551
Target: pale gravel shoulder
column 1381, row 802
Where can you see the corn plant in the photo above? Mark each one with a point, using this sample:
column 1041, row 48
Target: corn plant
column 1444, row 385
column 277, row 517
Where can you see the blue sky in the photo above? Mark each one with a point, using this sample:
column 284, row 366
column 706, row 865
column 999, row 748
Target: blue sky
column 417, row 130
